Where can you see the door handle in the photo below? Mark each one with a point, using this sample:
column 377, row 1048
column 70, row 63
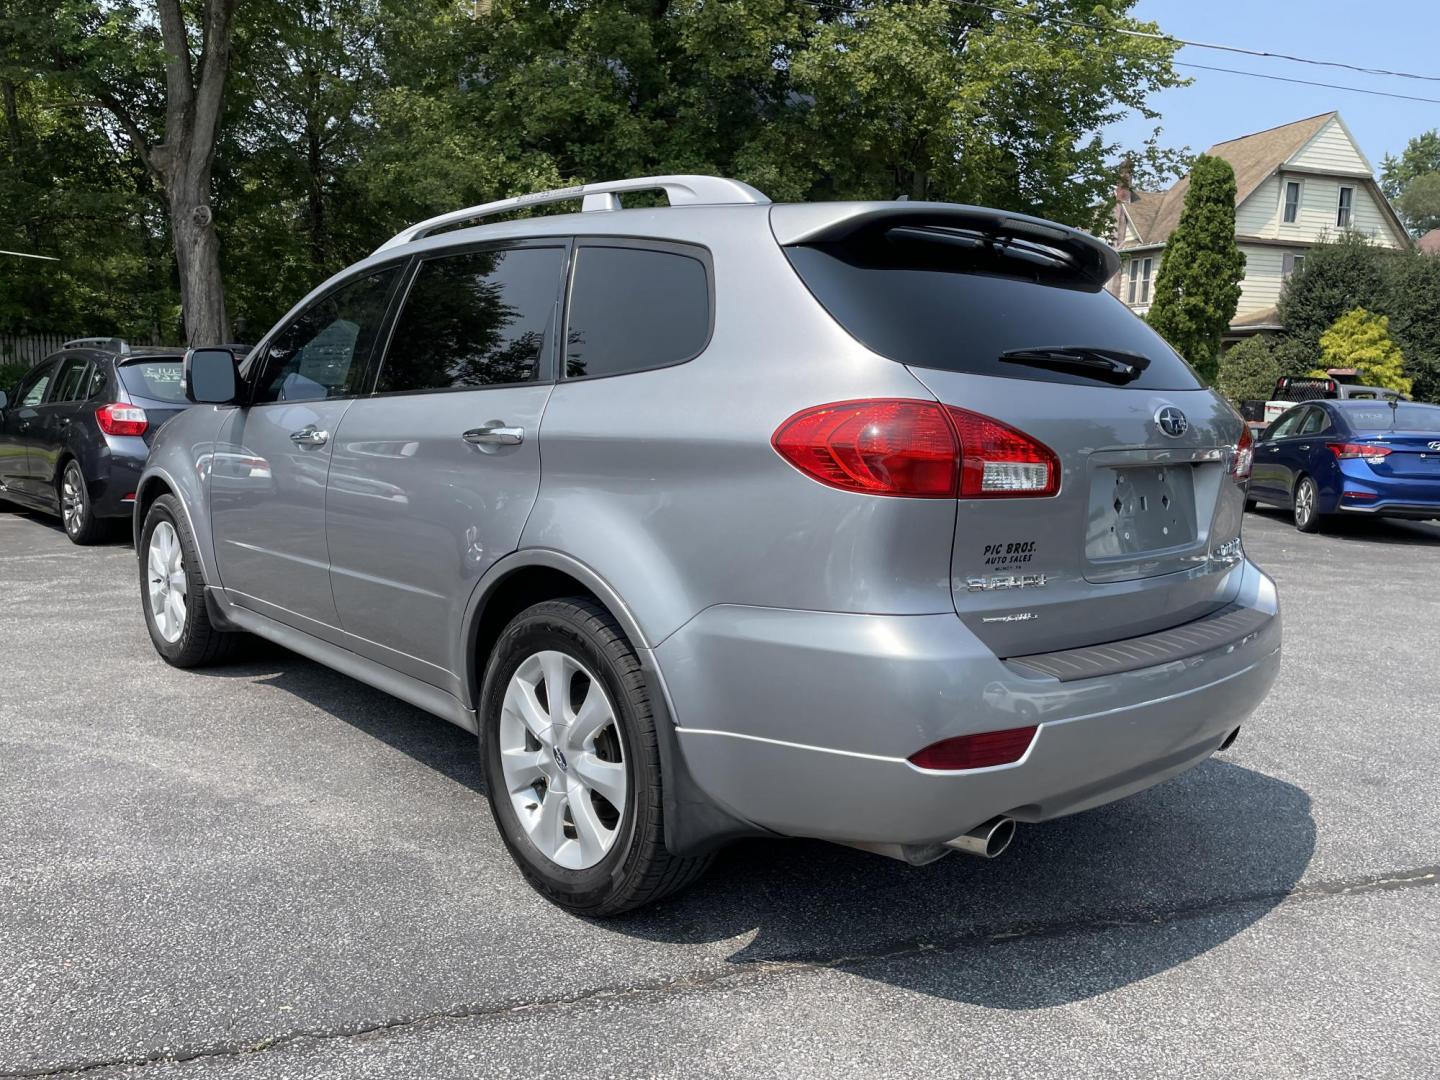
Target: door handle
column 310, row 436
column 494, row 434
column 1306, row 446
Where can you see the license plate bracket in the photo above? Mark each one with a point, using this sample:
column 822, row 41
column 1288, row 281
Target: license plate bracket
column 1141, row 510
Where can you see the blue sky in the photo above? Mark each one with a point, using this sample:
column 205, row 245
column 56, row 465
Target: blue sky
column 1401, row 35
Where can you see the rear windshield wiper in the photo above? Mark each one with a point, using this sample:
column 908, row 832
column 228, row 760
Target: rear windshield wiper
column 1107, row 365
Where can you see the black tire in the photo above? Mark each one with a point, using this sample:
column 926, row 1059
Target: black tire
column 638, row 869
column 81, row 526
column 200, row 642
column 1311, row 521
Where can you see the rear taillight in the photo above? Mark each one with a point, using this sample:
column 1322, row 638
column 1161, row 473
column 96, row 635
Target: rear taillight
column 976, row 751
column 1367, row 452
column 916, row 449
column 120, row 419
column 1244, row 458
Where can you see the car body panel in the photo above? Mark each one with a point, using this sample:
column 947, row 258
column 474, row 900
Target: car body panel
column 783, row 624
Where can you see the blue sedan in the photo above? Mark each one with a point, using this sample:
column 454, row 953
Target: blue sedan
column 1325, row 458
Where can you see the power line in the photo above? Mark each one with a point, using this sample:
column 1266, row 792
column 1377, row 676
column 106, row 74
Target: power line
column 27, row 255
column 1309, row 82
column 1039, row 17
column 1172, row 39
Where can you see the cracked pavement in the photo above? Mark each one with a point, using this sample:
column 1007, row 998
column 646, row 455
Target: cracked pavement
column 270, row 870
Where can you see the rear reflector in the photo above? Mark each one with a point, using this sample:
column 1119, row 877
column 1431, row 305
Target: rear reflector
column 1345, row 451
column 120, row 419
column 1361, row 495
column 976, row 751
column 916, row 449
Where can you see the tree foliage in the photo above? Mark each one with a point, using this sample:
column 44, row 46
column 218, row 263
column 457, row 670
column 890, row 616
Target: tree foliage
column 1412, row 182
column 1412, row 300
column 1248, row 370
column 345, row 119
column 1361, row 339
column 1336, row 277
column 1198, row 287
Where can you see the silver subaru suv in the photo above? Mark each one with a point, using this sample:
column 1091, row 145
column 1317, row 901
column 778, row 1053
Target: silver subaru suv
column 880, row 523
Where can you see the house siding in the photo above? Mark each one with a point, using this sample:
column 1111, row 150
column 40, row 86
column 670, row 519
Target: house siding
column 1264, row 278
column 1259, row 214
column 1331, row 150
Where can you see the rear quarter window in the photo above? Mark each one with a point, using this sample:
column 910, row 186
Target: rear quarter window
column 933, row 305
column 635, row 309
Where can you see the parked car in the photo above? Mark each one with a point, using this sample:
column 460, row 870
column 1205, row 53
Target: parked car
column 1295, row 390
column 1327, row 458
column 75, row 433
column 881, row 523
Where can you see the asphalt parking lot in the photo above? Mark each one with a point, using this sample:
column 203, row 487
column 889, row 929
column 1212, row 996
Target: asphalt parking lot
column 269, row 870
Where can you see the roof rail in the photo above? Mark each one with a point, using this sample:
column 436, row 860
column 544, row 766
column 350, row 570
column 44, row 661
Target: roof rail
column 681, row 191
column 105, row 344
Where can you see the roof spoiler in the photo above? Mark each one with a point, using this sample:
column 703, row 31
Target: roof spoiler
column 816, row 223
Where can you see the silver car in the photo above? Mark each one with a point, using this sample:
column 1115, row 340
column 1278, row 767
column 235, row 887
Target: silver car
column 880, row 523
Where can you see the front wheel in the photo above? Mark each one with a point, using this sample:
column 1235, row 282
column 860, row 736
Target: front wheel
column 172, row 591
column 1306, row 506
column 572, row 762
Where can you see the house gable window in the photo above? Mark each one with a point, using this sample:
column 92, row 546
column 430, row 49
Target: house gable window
column 1292, row 201
column 1145, row 280
column 1134, row 280
column 1346, row 205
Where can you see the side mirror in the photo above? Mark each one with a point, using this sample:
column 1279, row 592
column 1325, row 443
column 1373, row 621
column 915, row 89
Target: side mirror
column 210, row 377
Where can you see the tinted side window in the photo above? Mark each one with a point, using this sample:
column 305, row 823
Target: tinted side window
column 1315, row 422
column 95, row 384
column 632, row 309
column 69, row 382
column 475, row 319
column 323, row 353
column 1285, row 425
column 33, row 386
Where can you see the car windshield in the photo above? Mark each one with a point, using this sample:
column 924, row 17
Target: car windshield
column 1367, row 416
column 159, row 380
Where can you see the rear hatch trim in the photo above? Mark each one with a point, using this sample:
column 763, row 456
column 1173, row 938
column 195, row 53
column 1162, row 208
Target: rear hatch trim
column 1226, row 627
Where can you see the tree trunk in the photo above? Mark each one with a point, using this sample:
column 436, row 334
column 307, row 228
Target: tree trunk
column 197, row 254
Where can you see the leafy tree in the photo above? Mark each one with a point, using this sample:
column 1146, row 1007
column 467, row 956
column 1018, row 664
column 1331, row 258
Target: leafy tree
column 1419, row 203
column 1198, row 287
column 1420, row 158
column 1361, row 339
column 157, row 71
column 1248, row 370
column 1337, row 276
column 1412, row 299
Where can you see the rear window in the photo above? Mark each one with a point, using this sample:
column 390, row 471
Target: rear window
column 937, row 305
column 155, row 379
column 1365, row 417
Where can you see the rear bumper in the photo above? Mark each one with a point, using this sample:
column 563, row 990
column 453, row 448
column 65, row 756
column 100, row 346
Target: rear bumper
column 1407, row 497
column 801, row 722
column 116, row 478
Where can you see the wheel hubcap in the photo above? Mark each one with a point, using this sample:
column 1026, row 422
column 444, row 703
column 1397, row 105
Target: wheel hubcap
column 72, row 499
column 563, row 759
column 165, row 574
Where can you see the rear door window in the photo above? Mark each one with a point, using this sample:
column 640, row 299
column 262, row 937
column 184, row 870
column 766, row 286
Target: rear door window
column 70, row 381
column 159, row 380
column 924, row 297
column 475, row 319
column 635, row 308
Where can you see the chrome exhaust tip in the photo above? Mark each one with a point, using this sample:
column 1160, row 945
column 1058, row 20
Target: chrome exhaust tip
column 985, row 841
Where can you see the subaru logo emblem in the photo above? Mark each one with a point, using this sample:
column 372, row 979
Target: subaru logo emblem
column 1172, row 421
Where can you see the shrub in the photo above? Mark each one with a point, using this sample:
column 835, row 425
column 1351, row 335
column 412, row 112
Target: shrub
column 1249, row 370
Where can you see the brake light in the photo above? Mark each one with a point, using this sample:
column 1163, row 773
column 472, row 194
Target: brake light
column 120, row 419
column 1244, row 457
column 915, row 449
column 976, row 751
column 1367, row 452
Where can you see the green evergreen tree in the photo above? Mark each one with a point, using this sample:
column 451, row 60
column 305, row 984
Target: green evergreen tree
column 1337, row 276
column 1412, row 300
column 1198, row 287
column 1249, row 370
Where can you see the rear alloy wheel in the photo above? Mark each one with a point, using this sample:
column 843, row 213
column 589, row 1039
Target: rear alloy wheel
column 572, row 761
column 1306, row 506
column 173, row 592
column 81, row 524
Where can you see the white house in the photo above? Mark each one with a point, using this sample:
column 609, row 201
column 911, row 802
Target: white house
column 1294, row 186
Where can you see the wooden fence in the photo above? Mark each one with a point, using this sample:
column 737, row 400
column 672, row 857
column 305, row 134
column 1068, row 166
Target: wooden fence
column 30, row 349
